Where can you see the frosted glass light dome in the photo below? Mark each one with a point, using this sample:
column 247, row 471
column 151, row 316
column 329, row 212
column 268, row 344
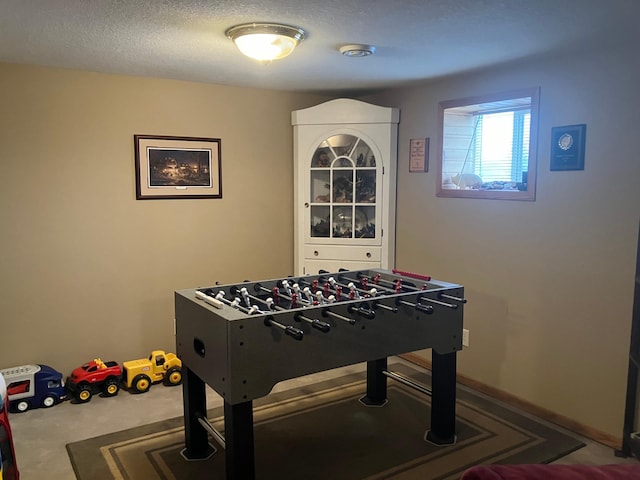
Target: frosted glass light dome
column 266, row 41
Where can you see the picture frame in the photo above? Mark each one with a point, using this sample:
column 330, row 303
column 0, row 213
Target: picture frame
column 419, row 155
column 170, row 167
column 567, row 147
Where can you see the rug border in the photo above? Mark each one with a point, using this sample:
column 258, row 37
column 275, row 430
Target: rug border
column 561, row 441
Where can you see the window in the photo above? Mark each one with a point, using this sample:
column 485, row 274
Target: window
column 488, row 146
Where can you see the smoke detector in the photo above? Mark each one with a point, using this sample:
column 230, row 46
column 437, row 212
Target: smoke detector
column 357, row 50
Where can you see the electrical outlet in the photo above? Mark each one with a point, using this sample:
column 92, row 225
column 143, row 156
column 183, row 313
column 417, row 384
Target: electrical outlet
column 465, row 337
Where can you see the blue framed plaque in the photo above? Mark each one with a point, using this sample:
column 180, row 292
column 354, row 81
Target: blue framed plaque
column 567, row 147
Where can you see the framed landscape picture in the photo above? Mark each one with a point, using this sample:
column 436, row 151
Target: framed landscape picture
column 177, row 167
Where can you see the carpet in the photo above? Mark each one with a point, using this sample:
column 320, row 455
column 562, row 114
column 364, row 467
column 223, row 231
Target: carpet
column 321, row 431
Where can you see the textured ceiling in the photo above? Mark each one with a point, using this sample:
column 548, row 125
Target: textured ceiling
column 416, row 40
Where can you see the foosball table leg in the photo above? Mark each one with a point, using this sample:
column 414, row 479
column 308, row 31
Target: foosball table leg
column 195, row 406
column 238, row 432
column 443, row 399
column 376, row 383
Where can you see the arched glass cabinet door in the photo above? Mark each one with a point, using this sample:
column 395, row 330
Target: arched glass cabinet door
column 343, row 189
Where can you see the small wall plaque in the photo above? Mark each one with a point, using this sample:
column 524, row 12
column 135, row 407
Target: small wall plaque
column 419, row 155
column 567, row 147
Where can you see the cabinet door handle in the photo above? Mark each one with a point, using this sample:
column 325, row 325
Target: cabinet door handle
column 368, row 254
column 306, row 205
column 315, row 253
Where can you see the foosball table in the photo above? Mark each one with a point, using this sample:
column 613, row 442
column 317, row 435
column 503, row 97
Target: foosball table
column 242, row 339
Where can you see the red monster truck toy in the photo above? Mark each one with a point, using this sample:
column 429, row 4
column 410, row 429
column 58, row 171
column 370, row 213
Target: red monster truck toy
column 94, row 377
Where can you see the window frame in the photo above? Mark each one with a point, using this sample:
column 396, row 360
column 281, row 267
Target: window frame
column 526, row 195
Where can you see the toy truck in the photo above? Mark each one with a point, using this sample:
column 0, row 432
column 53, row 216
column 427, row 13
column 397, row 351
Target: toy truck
column 30, row 386
column 138, row 375
column 94, row 377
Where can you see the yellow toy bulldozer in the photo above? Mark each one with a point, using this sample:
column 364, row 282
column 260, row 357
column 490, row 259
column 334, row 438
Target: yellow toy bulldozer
column 138, row 375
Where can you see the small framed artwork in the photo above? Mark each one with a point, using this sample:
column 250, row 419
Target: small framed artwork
column 419, row 155
column 567, row 147
column 177, row 167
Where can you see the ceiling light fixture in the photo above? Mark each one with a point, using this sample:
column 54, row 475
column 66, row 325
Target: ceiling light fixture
column 266, row 41
column 357, row 50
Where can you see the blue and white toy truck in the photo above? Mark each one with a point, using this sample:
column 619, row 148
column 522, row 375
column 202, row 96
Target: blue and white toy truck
column 31, row 386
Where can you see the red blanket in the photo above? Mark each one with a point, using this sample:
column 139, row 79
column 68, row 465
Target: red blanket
column 553, row 472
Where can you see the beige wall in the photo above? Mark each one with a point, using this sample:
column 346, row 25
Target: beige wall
column 550, row 282
column 88, row 270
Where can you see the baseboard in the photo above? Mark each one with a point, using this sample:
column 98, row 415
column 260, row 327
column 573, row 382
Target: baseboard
column 560, row 420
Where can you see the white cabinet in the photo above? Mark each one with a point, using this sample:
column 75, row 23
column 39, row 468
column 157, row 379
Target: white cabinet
column 345, row 155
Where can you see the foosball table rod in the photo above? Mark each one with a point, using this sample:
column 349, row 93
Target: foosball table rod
column 219, row 300
column 211, row 430
column 408, row 382
column 451, row 297
column 277, row 294
column 328, row 313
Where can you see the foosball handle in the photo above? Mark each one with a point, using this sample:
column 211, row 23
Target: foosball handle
column 320, row 325
column 369, row 314
column 314, row 322
column 293, row 332
column 424, row 308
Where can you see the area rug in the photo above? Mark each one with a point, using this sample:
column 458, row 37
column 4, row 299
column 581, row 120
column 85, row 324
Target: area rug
column 323, row 432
